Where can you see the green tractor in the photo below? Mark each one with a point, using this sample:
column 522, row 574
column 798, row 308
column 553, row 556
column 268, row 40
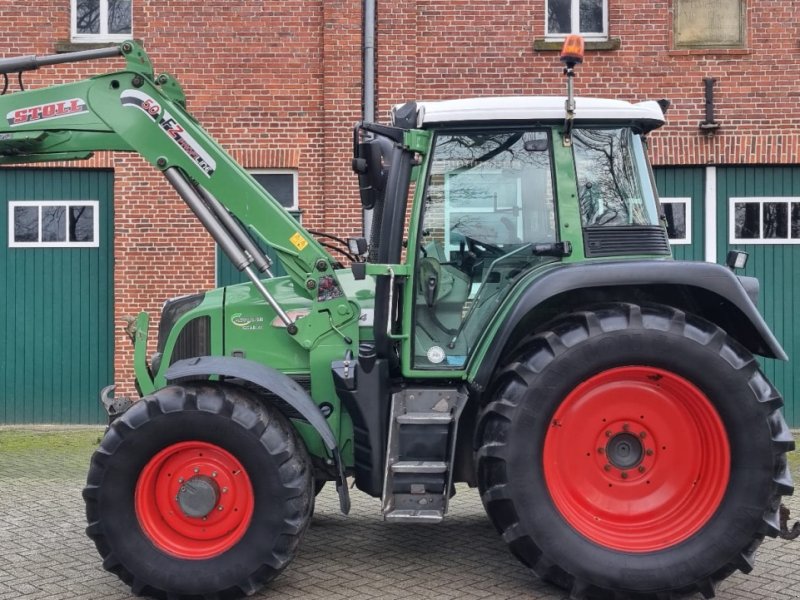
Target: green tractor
column 515, row 322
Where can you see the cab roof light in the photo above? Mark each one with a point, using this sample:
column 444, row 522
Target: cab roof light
column 572, row 50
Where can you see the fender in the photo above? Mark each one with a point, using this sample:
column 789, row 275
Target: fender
column 688, row 282
column 279, row 384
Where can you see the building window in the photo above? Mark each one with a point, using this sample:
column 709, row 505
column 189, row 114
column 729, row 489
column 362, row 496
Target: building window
column 708, row 23
column 281, row 185
column 53, row 224
column 101, row 20
column 678, row 214
column 587, row 17
column 765, row 220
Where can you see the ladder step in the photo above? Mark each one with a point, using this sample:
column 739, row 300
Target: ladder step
column 420, row 516
column 424, row 418
column 419, row 466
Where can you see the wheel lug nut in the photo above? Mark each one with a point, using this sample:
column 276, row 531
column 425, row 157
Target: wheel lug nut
column 641, row 469
column 649, row 452
column 219, row 508
column 624, row 474
column 197, row 469
column 625, row 427
column 180, row 479
column 224, row 490
column 607, row 467
column 608, row 434
column 643, row 435
column 600, row 450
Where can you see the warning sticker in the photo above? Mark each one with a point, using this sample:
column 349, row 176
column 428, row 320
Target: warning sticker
column 298, row 241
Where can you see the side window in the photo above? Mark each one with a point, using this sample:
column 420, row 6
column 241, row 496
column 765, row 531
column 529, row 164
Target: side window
column 587, row 17
column 765, row 220
column 708, row 23
column 53, row 224
column 101, row 20
column 678, row 213
column 613, row 186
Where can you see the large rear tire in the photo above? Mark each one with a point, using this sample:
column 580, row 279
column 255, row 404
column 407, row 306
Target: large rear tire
column 198, row 491
column 633, row 452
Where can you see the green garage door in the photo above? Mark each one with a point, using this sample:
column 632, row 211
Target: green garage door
column 681, row 190
column 56, row 304
column 758, row 211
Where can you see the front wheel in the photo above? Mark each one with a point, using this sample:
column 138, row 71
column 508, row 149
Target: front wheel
column 198, row 491
column 633, row 452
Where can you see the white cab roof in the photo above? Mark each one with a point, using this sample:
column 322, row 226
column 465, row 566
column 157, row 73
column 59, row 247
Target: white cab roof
column 537, row 108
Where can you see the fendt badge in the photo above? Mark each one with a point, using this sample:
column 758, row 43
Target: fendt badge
column 45, row 112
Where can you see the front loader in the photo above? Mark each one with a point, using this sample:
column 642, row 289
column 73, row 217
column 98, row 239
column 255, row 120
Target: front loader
column 527, row 333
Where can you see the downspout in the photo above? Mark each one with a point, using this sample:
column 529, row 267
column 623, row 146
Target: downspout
column 369, row 89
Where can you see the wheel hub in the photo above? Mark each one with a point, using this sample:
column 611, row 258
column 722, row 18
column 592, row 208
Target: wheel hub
column 198, row 496
column 624, row 451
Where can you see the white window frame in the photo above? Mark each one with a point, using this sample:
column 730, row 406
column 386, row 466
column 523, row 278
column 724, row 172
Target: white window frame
column 103, row 35
column 575, row 23
column 687, row 202
column 95, row 243
column 292, row 172
column 789, row 200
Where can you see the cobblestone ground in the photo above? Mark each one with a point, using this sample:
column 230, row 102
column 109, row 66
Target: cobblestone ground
column 44, row 553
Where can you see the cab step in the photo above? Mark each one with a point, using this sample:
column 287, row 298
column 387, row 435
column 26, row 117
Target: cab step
column 421, row 445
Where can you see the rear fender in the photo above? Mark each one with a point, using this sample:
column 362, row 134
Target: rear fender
column 275, row 382
column 706, row 289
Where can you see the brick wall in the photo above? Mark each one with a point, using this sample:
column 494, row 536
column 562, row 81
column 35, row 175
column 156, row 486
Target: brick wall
column 440, row 49
column 278, row 84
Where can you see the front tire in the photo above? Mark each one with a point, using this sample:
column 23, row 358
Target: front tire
column 198, row 491
column 633, row 452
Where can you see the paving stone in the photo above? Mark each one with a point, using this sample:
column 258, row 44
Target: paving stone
column 45, row 555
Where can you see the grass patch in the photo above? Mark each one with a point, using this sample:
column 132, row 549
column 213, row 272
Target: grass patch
column 47, row 452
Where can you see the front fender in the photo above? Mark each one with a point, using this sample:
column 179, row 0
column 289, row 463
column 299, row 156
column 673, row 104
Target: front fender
column 276, row 382
column 723, row 298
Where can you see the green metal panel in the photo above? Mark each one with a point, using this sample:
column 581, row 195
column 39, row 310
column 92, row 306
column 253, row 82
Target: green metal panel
column 777, row 266
column 227, row 273
column 56, row 307
column 685, row 182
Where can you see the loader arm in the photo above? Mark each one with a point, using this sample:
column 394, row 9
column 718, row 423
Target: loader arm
column 133, row 110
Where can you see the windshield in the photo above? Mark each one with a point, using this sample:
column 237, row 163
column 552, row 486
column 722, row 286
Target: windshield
column 613, row 181
column 489, row 201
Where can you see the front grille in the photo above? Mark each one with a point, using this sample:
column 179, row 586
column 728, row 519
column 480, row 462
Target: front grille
column 193, row 340
column 172, row 311
column 625, row 240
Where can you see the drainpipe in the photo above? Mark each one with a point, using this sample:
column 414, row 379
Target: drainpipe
column 369, row 88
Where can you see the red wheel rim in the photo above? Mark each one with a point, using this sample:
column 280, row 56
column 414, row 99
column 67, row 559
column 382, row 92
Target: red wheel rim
column 163, row 497
column 636, row 459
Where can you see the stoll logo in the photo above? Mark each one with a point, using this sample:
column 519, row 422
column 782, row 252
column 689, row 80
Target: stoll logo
column 247, row 323
column 45, row 112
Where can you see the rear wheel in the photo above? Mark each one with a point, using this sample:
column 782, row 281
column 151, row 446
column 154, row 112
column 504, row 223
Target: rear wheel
column 633, row 452
column 198, row 491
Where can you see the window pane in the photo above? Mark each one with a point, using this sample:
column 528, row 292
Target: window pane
column 558, row 16
column 609, row 185
column 795, row 220
column 88, row 17
column 53, row 227
column 747, row 220
column 776, row 220
column 591, row 17
column 119, row 16
column 676, row 220
column 279, row 185
column 81, row 224
column 26, row 223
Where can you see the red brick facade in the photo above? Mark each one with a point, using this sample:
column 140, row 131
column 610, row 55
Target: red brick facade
column 279, row 85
